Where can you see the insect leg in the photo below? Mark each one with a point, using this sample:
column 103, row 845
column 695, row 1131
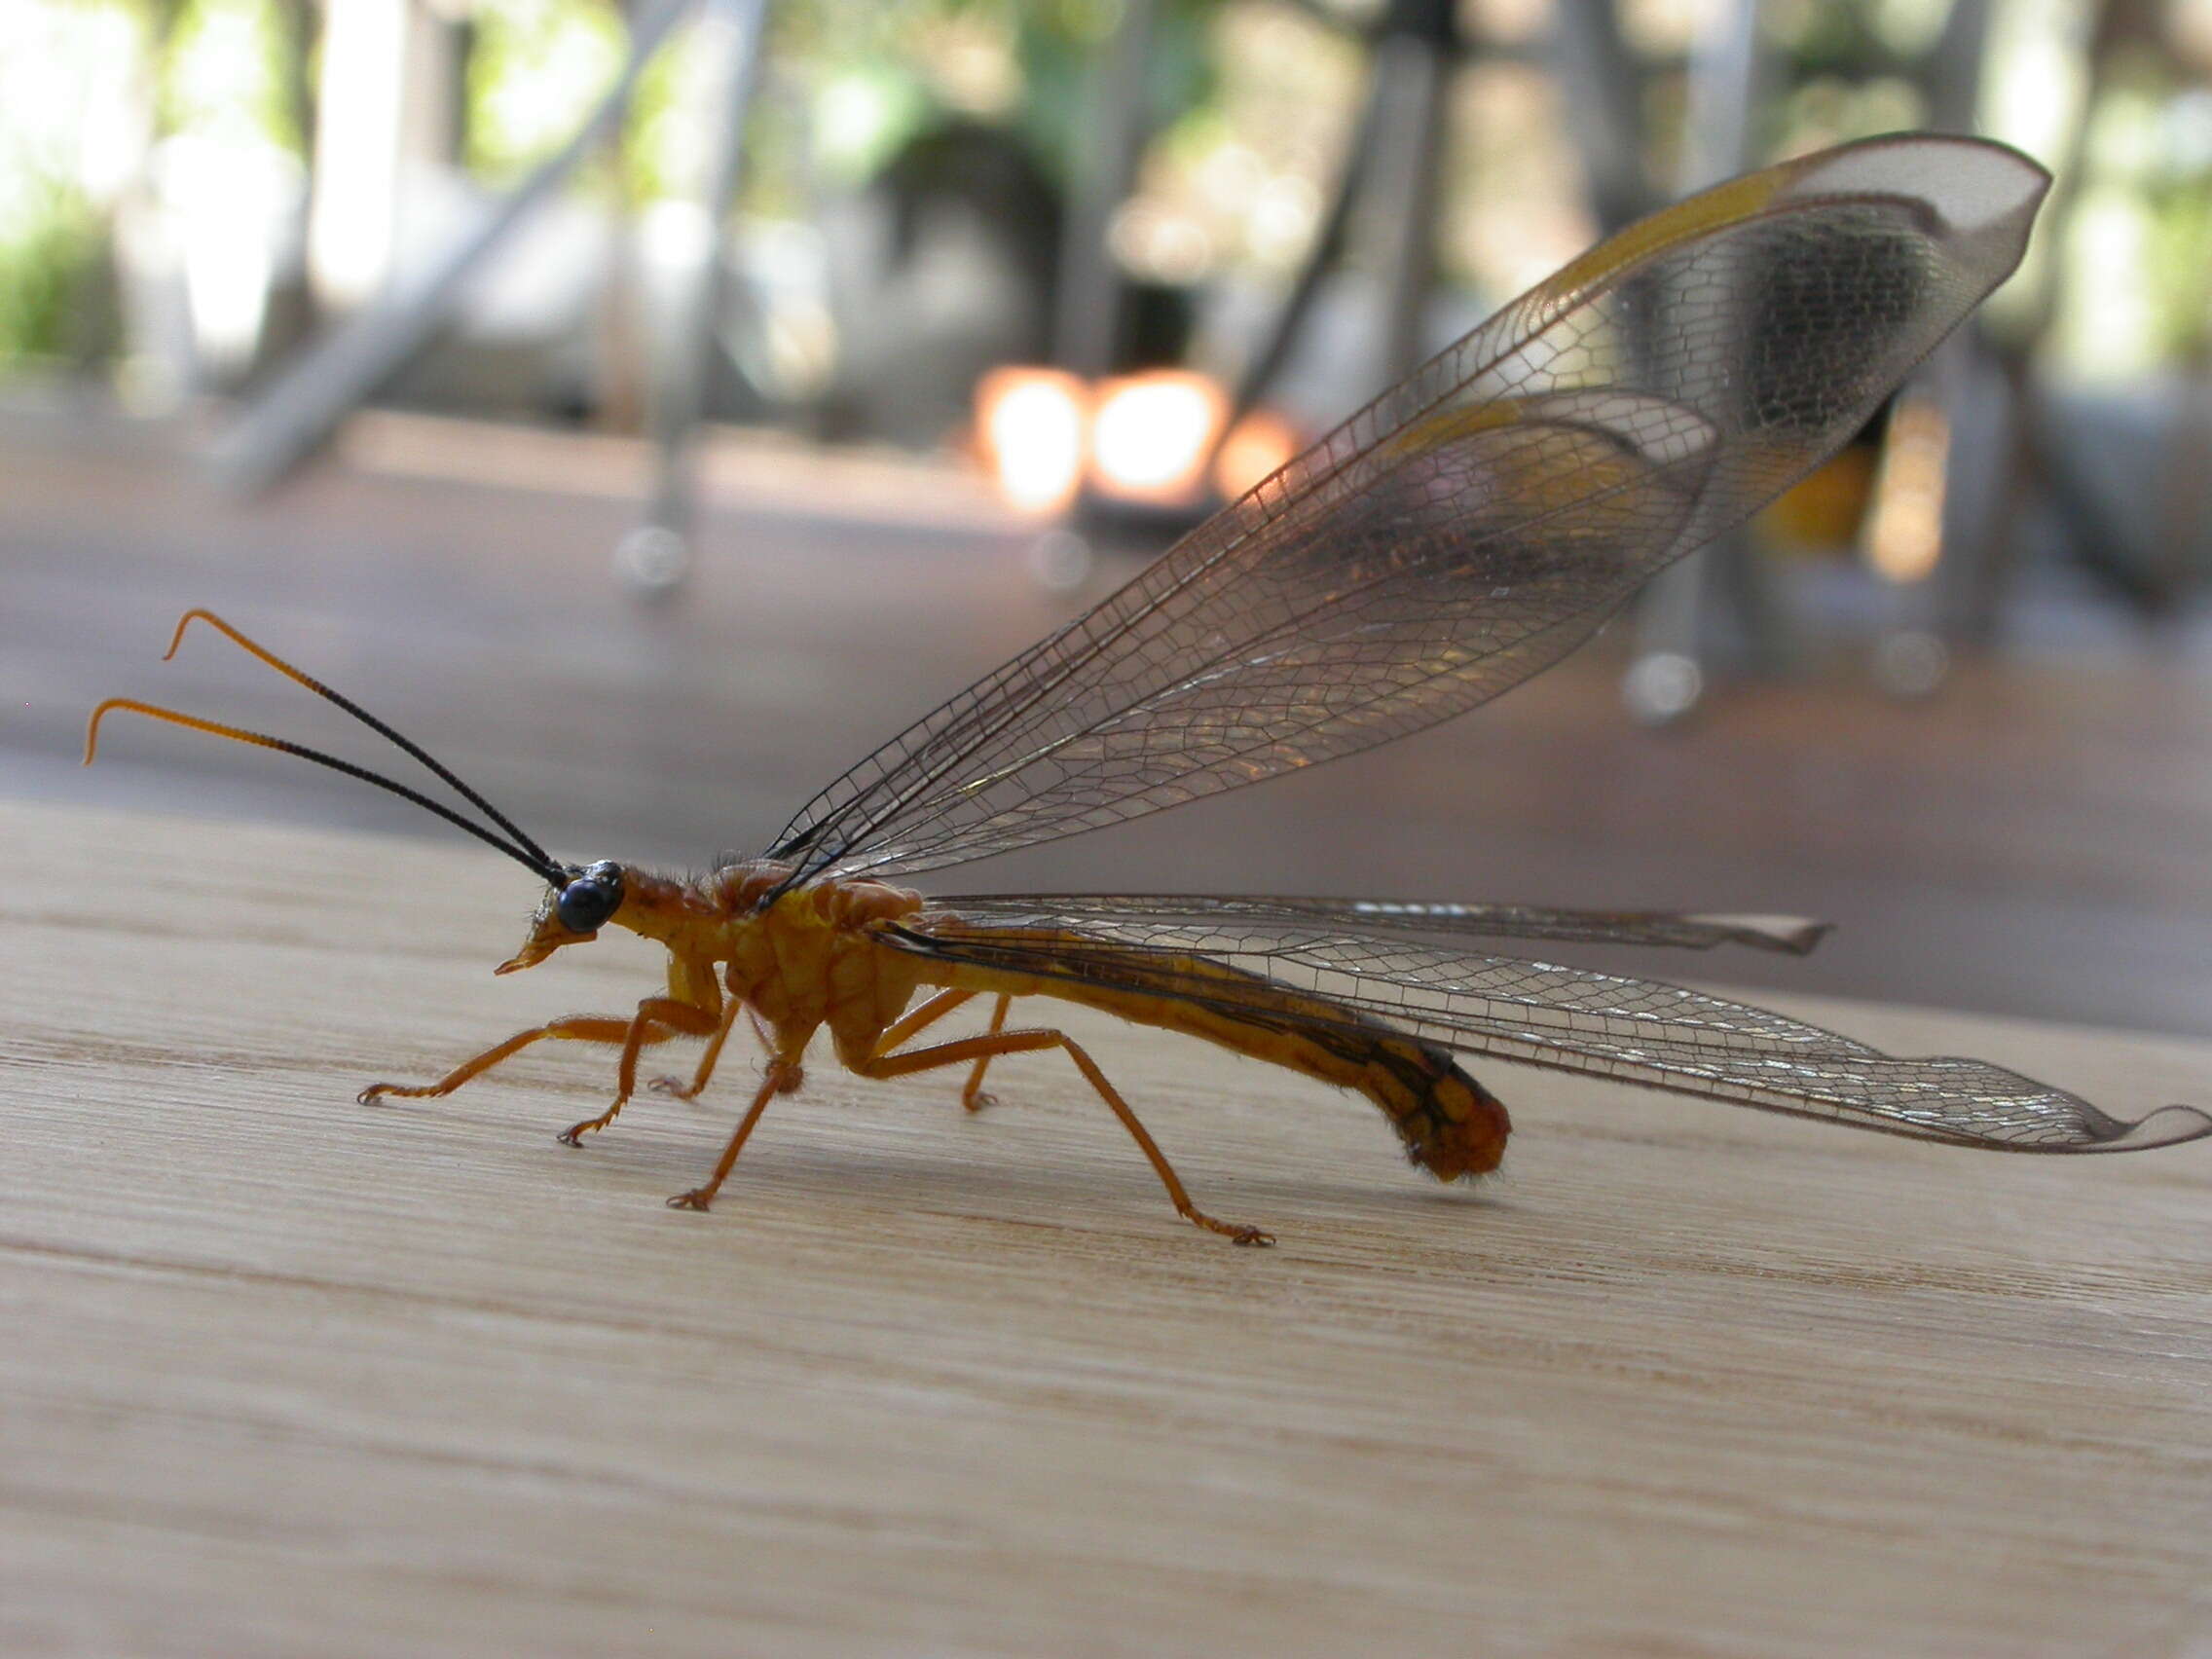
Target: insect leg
column 972, row 1095
column 929, row 1013
column 794, row 1074
column 918, row 1019
column 657, row 1019
column 985, row 1047
column 771, row 1085
column 691, row 1091
column 576, row 1028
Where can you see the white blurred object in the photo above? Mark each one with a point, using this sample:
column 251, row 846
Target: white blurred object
column 1662, row 686
column 379, row 121
column 1032, row 425
column 1060, row 561
column 231, row 212
column 1151, row 435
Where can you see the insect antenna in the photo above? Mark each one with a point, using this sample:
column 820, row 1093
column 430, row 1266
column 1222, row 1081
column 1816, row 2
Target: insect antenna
column 360, row 713
column 522, row 848
column 540, row 865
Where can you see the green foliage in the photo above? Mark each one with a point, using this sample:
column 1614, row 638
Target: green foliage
column 46, row 267
column 220, row 74
column 535, row 68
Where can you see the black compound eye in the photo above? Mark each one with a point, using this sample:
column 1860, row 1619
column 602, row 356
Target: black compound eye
column 587, row 902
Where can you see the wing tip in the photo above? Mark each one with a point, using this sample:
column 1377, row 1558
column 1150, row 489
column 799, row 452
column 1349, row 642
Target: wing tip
column 1795, row 936
column 1976, row 184
column 2168, row 1125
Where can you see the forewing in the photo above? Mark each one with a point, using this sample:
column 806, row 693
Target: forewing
column 1569, row 1018
column 1472, row 525
column 1287, row 918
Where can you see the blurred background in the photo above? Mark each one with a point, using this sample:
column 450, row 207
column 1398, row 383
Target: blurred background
column 651, row 407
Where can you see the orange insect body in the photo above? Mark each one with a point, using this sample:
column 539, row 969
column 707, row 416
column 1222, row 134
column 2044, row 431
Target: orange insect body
column 1461, row 534
column 1453, row 1126
column 814, row 958
column 803, row 964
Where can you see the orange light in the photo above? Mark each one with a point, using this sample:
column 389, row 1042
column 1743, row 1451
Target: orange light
column 1030, row 424
column 1905, row 533
column 1261, row 442
column 1150, row 436
column 1144, row 437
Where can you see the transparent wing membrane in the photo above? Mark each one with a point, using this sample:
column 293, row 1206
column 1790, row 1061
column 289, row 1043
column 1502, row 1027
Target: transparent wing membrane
column 1287, row 918
column 1567, row 1018
column 1464, row 532
column 1472, row 525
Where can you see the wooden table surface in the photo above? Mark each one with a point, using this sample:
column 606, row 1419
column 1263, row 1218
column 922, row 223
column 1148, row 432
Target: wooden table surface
column 283, row 1374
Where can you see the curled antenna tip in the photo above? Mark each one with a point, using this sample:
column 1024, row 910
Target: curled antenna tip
column 92, row 728
column 183, row 623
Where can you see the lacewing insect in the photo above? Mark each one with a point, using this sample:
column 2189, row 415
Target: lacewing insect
column 1457, row 535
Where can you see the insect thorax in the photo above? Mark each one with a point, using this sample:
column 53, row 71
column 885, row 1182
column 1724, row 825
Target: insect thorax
column 806, row 959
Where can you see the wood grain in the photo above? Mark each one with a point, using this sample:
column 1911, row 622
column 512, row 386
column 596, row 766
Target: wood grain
column 284, row 1374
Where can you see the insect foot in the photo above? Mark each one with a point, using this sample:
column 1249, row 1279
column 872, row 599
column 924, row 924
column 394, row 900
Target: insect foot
column 697, row 1199
column 1234, row 1232
column 574, row 1135
column 787, row 1083
column 976, row 1101
column 376, row 1092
